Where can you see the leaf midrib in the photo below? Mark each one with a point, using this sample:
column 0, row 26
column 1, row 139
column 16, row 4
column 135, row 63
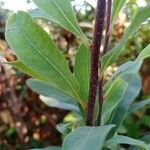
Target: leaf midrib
column 32, row 44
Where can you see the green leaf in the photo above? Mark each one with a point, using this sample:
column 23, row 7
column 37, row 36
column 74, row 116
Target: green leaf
column 119, row 139
column 128, row 73
column 112, row 97
column 142, row 15
column 126, row 68
column 123, row 70
column 144, row 54
column 146, row 138
column 145, row 120
column 138, row 105
column 130, row 67
column 87, row 138
column 35, row 49
column 56, row 103
column 117, row 5
column 48, row 148
column 132, row 91
column 54, row 97
column 66, row 128
column 37, row 14
column 25, row 69
column 62, row 13
column 82, row 70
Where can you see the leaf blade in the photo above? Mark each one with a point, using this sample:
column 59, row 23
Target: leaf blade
column 82, row 70
column 31, row 49
column 25, row 69
column 132, row 91
column 87, row 138
column 52, row 96
column 62, row 12
column 37, row 14
column 138, row 105
column 112, row 98
column 144, row 54
column 117, row 5
column 120, row 139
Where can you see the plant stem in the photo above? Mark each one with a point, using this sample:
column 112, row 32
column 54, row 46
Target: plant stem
column 107, row 33
column 105, row 50
column 94, row 58
column 100, row 98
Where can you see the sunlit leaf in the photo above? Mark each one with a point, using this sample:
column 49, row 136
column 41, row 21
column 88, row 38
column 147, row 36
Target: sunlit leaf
column 40, row 54
column 62, row 13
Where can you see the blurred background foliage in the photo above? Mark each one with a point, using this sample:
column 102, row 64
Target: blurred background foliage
column 25, row 122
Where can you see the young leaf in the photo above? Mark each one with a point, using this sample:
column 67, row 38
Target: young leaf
column 132, row 91
column 142, row 15
column 144, row 54
column 55, row 97
column 112, row 97
column 35, row 49
column 119, row 139
column 87, row 138
column 117, row 5
column 138, row 105
column 82, row 71
column 22, row 67
column 62, row 13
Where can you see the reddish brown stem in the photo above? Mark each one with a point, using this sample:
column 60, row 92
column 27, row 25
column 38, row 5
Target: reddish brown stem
column 105, row 50
column 107, row 33
column 94, row 58
column 100, row 97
